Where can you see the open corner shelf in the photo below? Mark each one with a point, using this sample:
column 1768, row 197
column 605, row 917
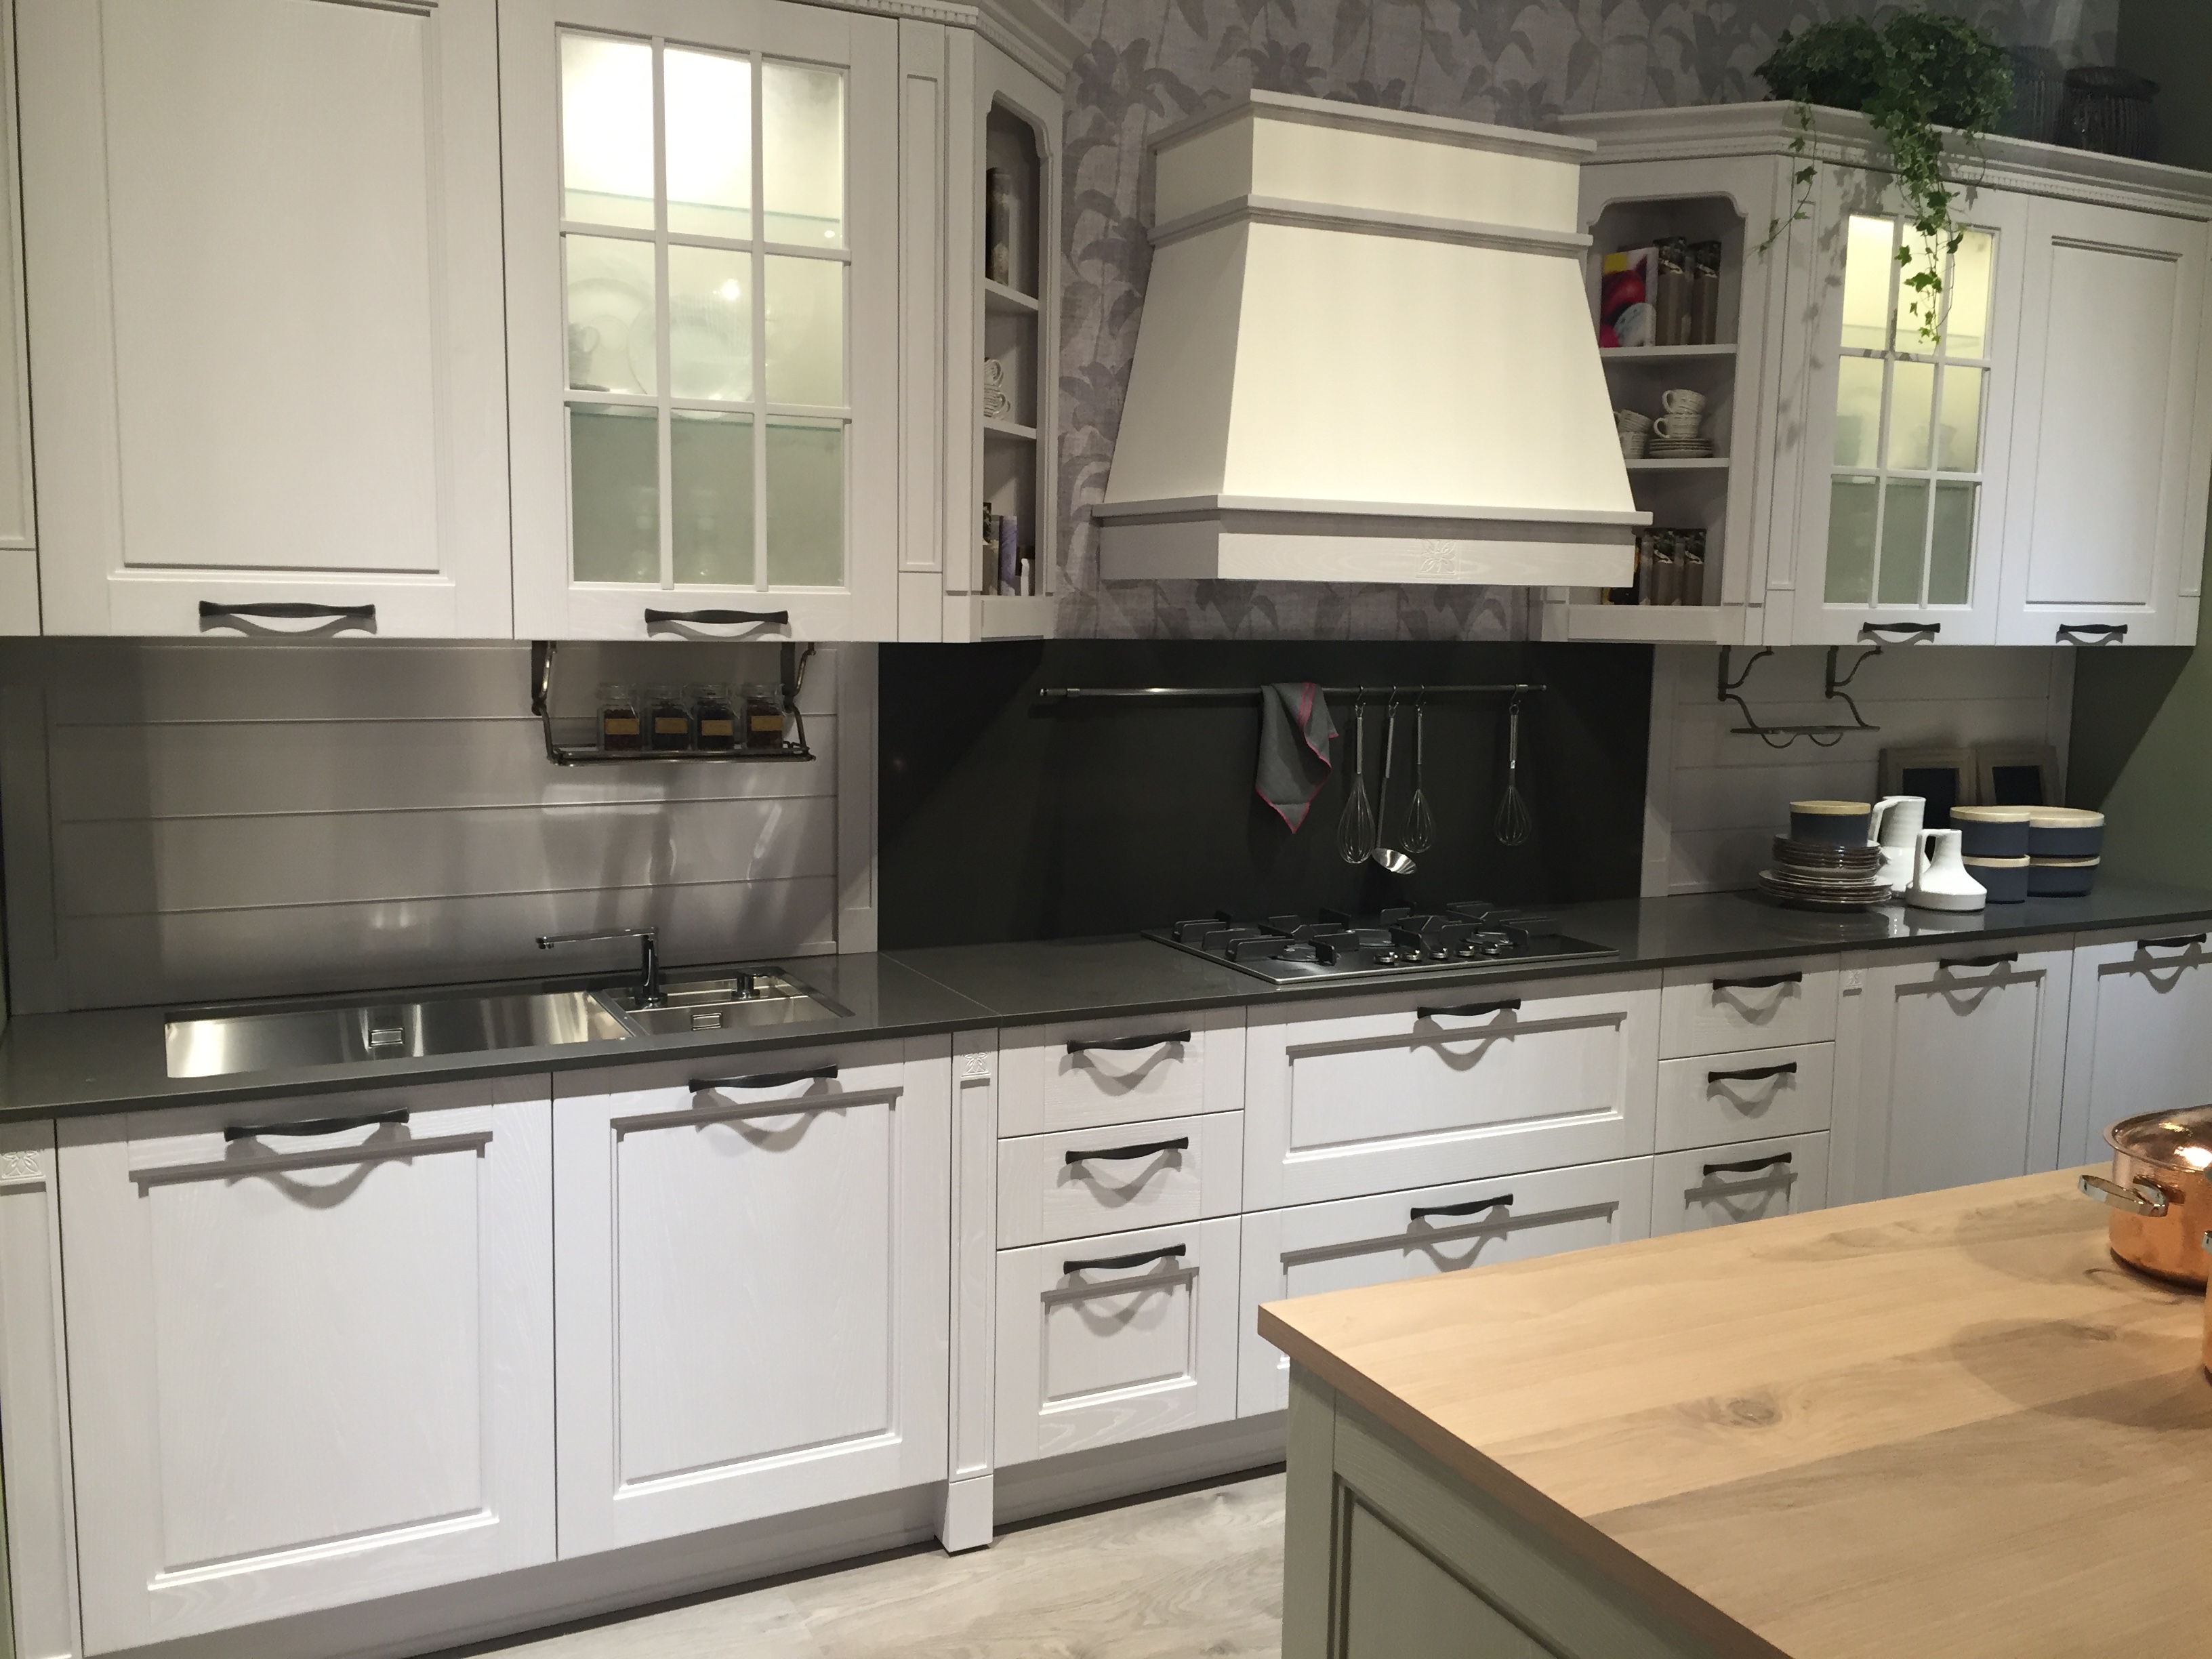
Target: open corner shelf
column 1010, row 429
column 1705, row 464
column 1675, row 353
column 1670, row 625
column 997, row 296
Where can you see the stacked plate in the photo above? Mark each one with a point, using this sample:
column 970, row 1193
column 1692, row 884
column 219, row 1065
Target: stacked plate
column 1814, row 875
column 1680, row 449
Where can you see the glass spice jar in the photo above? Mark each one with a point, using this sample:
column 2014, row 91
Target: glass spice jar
column 763, row 714
column 714, row 719
column 621, row 731
column 668, row 720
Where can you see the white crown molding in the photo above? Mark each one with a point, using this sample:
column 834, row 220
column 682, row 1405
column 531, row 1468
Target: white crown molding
column 1035, row 35
column 1396, row 123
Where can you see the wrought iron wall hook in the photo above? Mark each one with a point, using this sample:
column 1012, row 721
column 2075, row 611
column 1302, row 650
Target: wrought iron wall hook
column 1781, row 736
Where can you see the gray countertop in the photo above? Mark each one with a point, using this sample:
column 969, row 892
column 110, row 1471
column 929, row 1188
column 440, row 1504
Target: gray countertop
column 70, row 1065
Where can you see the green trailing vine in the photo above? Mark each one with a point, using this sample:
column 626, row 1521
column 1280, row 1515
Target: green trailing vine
column 1912, row 77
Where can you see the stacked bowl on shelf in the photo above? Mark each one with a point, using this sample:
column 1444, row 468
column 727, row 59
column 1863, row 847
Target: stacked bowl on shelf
column 1825, row 863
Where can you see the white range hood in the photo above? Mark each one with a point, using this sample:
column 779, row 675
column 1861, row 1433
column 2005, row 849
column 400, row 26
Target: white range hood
column 1366, row 356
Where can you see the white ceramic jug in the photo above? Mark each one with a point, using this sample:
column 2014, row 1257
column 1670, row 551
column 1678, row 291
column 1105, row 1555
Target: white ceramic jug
column 1940, row 881
column 1895, row 828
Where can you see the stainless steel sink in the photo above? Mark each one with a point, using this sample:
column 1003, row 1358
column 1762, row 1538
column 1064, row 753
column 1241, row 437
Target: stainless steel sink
column 746, row 1002
column 348, row 1033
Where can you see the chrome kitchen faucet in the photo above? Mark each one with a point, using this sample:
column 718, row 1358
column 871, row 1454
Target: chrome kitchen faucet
column 648, row 982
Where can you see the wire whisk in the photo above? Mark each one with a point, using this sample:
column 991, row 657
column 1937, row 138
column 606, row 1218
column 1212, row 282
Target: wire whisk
column 1355, row 827
column 1421, row 823
column 1513, row 825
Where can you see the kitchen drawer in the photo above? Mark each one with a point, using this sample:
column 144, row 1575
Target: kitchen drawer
column 1092, row 1356
column 1382, row 1093
column 1715, row 1010
column 1082, row 1074
column 1708, row 1187
column 1140, row 1179
column 1376, row 1241
column 1759, row 1093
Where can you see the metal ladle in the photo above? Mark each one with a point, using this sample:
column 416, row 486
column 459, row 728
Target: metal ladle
column 1397, row 863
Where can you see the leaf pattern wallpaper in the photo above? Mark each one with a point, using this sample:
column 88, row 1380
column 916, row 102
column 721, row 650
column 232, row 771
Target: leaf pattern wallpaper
column 1520, row 63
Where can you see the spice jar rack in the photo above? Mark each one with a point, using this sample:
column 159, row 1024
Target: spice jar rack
column 792, row 747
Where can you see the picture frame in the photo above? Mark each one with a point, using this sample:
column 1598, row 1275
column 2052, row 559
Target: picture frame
column 2018, row 775
column 1945, row 777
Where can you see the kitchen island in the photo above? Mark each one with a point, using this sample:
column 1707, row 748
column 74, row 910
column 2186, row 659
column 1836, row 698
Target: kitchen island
column 1942, row 1425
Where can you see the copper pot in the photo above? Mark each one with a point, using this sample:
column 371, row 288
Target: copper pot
column 2161, row 1199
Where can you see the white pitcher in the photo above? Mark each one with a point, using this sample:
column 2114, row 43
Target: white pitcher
column 1940, row 881
column 1895, row 828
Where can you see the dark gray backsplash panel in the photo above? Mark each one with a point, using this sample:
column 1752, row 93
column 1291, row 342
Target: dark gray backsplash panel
column 1001, row 818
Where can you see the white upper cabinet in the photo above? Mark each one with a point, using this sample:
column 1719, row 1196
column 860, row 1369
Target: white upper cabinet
column 19, row 562
column 2112, row 449
column 702, row 316
column 263, row 250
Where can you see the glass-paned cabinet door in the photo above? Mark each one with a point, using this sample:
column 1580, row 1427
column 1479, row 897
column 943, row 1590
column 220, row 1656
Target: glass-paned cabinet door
column 703, row 319
column 1907, row 417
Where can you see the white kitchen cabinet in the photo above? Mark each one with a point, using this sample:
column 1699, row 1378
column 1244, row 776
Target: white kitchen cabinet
column 1094, row 1073
column 2139, row 1032
column 1720, row 1186
column 19, row 559
column 1080, row 1182
column 753, row 1313
column 1358, row 1241
column 263, row 269
column 2112, row 452
column 310, row 1351
column 1714, row 1010
column 702, row 316
column 38, row 1550
column 1962, row 1067
column 1711, row 1099
column 1406, row 1089
column 1114, row 1338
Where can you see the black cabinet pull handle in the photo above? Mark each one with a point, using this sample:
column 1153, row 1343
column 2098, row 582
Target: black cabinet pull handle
column 2107, row 633
column 1157, row 1040
column 1749, row 1166
column 1469, row 1010
column 310, row 1126
column 1141, row 1259
column 1119, row 1154
column 2178, row 942
column 762, row 1079
column 1913, row 633
column 1504, row 1201
column 1979, row 962
column 764, row 618
column 1786, row 1068
column 291, row 610
column 1766, row 982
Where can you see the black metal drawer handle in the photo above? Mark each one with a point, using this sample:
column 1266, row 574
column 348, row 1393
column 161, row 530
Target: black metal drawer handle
column 1913, row 633
column 310, row 1125
column 762, row 618
column 1157, row 1040
column 1750, row 1166
column 2107, row 633
column 1503, row 1201
column 1786, row 1068
column 1142, row 1259
column 1764, row 983
column 2178, row 942
column 1469, row 1010
column 699, row 1085
column 1121, row 1154
column 291, row 610
column 1979, row 962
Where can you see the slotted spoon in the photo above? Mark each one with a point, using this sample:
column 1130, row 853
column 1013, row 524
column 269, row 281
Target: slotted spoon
column 1513, row 826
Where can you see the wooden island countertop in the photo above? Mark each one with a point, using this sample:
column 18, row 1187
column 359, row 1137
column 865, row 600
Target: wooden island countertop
column 1948, row 1426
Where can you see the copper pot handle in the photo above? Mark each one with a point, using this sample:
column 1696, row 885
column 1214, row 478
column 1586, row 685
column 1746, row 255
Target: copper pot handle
column 2139, row 1199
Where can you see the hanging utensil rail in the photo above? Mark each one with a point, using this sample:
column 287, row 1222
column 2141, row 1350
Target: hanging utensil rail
column 1204, row 693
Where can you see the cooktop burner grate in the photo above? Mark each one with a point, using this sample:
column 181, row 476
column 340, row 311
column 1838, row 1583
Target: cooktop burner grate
column 1329, row 945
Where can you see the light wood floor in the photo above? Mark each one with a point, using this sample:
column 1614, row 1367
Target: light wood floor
column 1197, row 1573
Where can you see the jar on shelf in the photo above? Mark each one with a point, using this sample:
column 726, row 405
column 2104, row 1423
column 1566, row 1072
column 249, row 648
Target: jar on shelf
column 764, row 716
column 714, row 717
column 667, row 719
column 622, row 731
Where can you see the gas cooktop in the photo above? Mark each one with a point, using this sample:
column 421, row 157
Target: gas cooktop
column 1393, row 943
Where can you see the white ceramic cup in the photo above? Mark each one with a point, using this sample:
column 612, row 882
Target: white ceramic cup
column 1677, row 428
column 1627, row 420
column 1684, row 402
column 1634, row 444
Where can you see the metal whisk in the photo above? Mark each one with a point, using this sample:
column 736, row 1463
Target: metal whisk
column 1421, row 823
column 1355, row 829
column 1513, row 825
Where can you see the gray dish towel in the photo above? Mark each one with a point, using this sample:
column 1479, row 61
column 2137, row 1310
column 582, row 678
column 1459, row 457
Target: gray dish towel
column 1295, row 732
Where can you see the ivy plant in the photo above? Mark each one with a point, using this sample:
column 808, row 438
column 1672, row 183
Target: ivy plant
column 1912, row 77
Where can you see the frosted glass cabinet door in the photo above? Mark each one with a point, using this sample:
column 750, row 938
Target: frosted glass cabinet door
column 702, row 278
column 1899, row 525
column 268, row 294
column 2111, row 452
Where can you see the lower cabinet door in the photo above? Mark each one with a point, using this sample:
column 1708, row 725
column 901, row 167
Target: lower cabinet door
column 2139, row 1032
column 1719, row 1185
column 1358, row 1242
column 1116, row 1338
column 752, row 1266
column 311, row 1353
